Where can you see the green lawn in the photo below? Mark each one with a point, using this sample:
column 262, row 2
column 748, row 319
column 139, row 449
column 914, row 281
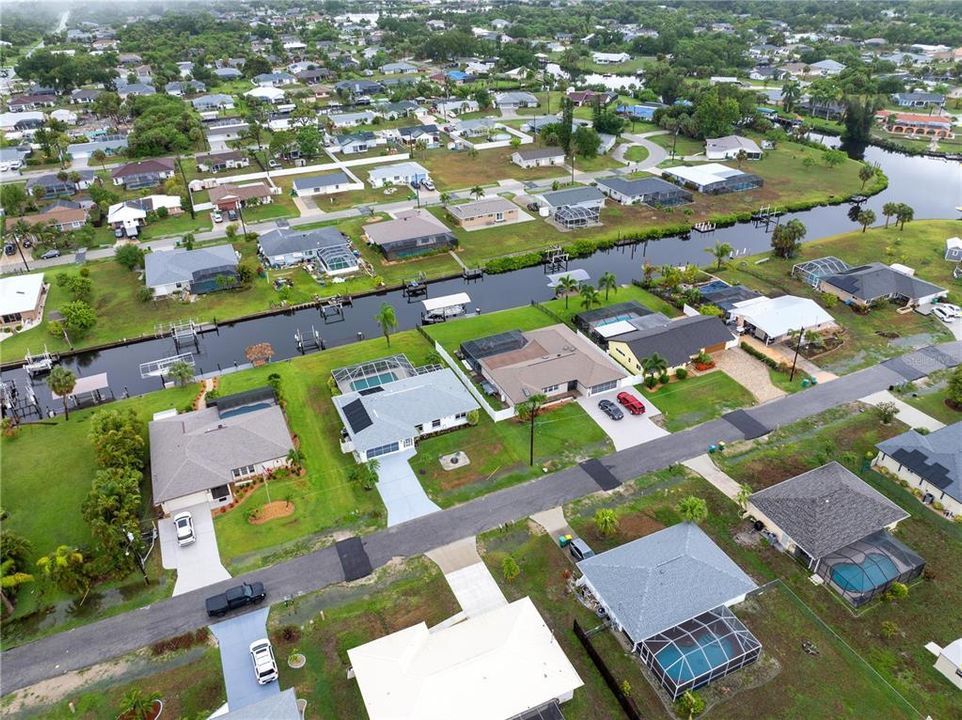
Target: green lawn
column 931, row 401
column 636, row 153
column 683, row 145
column 452, row 170
column 624, row 293
column 452, row 334
column 697, row 399
column 179, row 225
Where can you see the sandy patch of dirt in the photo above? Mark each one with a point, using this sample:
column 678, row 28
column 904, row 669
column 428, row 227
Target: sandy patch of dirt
column 271, row 511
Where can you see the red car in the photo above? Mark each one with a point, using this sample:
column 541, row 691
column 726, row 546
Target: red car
column 631, row 403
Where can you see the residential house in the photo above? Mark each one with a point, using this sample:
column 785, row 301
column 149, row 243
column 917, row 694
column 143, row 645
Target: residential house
column 52, row 185
column 423, row 135
column 398, row 68
column 359, row 87
column 603, row 58
column 484, row 213
column 84, row 97
column 213, row 103
column 553, row 361
column 773, row 320
column 22, row 299
column 130, row 215
column 589, row 198
column 22, row 103
column 515, row 99
column 953, row 249
column 326, row 184
column 538, row 157
column 11, row 159
column 228, row 196
column 913, row 125
column 477, row 127
column 650, row 191
column 394, row 415
column 273, row 79
column 222, row 131
column 875, row 282
column 68, row 117
column 404, row 173
column 312, row 75
column 502, row 664
column 184, row 87
column 670, row 593
column 110, row 145
column 838, row 527
column 919, row 99
column 410, row 233
column 825, row 68
column 199, row 271
column 228, row 73
column 731, row 147
column 216, row 162
column 395, row 110
column 949, row 661
column 327, row 247
column 678, row 342
column 61, row 218
column 203, row 456
column 583, row 98
column 452, row 107
column 129, row 59
column 712, row 178
column 146, row 173
column 272, row 95
column 931, row 463
column 357, row 142
column 135, row 90
column 351, row 119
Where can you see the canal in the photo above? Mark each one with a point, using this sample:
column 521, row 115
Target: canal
column 932, row 186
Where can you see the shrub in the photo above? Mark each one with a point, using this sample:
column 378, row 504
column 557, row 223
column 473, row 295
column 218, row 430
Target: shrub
column 663, row 378
column 85, row 272
column 886, row 412
column 896, row 591
column 650, row 382
column 828, row 300
column 509, row 568
column 889, row 629
column 690, row 704
column 681, row 373
column 290, row 633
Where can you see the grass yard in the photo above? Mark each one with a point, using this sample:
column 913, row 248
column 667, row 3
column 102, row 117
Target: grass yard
column 697, row 399
column 462, row 170
column 598, row 162
column 452, row 334
column 636, row 153
column 623, row 293
column 179, row 225
column 499, row 453
column 683, row 145
column 931, row 401
column 847, row 436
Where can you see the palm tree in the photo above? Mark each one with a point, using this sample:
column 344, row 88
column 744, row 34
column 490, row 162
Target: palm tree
column 607, row 283
column 744, row 492
column 387, row 319
column 445, row 197
column 890, row 209
column 136, row 705
column 741, row 157
column 589, row 296
column 99, row 157
column 904, row 215
column 866, row 173
column 181, row 372
column 606, row 522
column 528, row 411
column 566, row 286
column 295, row 460
column 720, row 251
column 10, row 580
column 654, row 365
column 65, row 567
column 693, row 509
column 791, row 93
column 477, row 191
column 61, row 382
column 866, row 218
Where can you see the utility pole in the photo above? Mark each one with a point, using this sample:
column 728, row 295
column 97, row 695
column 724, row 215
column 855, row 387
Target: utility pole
column 131, row 549
column 798, row 347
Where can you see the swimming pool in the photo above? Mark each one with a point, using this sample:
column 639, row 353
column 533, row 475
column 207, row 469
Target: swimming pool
column 874, row 571
column 373, row 381
column 617, row 318
column 685, row 662
column 244, row 409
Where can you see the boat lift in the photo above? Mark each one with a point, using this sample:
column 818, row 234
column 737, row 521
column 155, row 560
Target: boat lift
column 448, row 307
column 160, row 368
column 308, row 342
column 16, row 404
column 555, row 259
column 38, row 364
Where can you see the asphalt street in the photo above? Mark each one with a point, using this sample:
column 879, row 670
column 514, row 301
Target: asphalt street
column 115, row 636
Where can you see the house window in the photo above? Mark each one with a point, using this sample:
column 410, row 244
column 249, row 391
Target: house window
column 242, row 471
column 499, row 217
column 550, row 388
column 461, row 416
column 435, row 424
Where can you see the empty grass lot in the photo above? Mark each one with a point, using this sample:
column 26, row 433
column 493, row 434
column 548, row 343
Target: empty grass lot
column 452, row 170
column 697, row 399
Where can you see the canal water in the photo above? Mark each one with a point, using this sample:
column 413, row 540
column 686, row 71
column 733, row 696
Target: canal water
column 932, row 186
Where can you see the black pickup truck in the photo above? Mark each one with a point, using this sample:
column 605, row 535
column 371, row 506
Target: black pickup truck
column 236, row 597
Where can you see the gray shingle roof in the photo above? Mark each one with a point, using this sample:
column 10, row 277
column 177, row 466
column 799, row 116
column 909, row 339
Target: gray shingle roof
column 658, row 581
column 875, row 280
column 282, row 706
column 196, row 451
column 680, row 340
column 936, row 457
column 166, row 267
column 640, row 187
column 533, row 153
column 282, row 241
column 399, row 406
column 573, row 196
column 338, row 177
column 827, row 508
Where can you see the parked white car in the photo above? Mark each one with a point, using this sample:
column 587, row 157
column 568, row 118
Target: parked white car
column 945, row 313
column 184, row 524
column 265, row 667
column 216, row 216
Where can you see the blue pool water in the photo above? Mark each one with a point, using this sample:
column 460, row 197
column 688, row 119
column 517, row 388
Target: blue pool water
column 244, row 409
column 700, row 659
column 875, row 570
column 373, row 381
column 617, row 318
column 714, row 286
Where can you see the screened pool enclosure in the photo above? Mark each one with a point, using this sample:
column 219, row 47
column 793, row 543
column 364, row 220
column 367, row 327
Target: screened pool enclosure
column 867, row 568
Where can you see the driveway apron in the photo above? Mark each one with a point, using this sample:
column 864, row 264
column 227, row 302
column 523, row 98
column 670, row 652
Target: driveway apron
column 400, row 490
column 235, row 637
column 198, row 564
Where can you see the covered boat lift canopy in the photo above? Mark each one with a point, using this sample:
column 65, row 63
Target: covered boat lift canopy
column 578, row 275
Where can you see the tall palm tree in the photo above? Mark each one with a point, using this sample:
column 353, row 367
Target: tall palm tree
column 61, row 382
column 654, row 365
column 528, row 411
column 566, row 286
column 890, row 210
column 791, row 93
column 387, row 319
column 589, row 296
column 720, row 251
column 137, row 705
column 99, row 157
column 477, row 191
column 608, row 282
column 693, row 509
column 10, row 580
column 904, row 214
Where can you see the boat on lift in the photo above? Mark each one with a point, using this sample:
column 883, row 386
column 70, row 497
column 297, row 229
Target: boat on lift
column 38, row 364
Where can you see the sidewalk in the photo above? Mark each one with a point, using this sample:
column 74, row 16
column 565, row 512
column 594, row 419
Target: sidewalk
column 704, row 466
column 913, row 417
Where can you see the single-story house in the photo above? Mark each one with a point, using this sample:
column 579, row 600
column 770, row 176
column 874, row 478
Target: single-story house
column 677, row 341
column 53, row 185
column 669, row 593
column 21, row 103
column 403, row 173
column 412, row 232
column 932, row 463
column 515, row 99
column 825, row 68
column 589, row 198
column 146, row 173
column 357, row 142
column 351, row 119
column 127, row 216
column 327, row 246
column 135, row 90
column 938, row 126
column 201, row 456
column 538, row 157
column 772, row 319
column 278, row 706
column 949, row 662
column 712, row 178
column 424, row 135
column 110, row 145
column 61, row 218
column 392, row 417
column 399, row 109
column 650, row 191
column 216, row 101
column 603, row 58
column 730, row 146
column 84, row 97
column 590, row 97
column 21, row 299
column 359, row 87
column 919, row 99
column 953, row 249
column 184, row 87
column 456, row 106
column 503, row 664
column 875, row 282
column 65, row 116
column 312, row 76
column 484, row 212
column 553, row 361
column 398, row 68
column 325, row 184
column 228, row 73
column 11, row 159
column 837, row 526
column 197, row 271
column 232, row 197
column 273, row 79
column 266, row 94
column 216, row 162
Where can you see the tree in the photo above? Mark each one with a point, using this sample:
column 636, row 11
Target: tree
column 791, row 94
column 744, row 492
column 889, row 209
column 136, row 705
column 528, row 411
column 66, row 568
column 295, row 460
column 834, row 158
column 589, row 296
column 182, row 373
column 586, row 141
column 130, row 256
column 865, row 218
column 690, row 704
column 12, row 198
column 903, row 215
column 866, row 173
column 693, row 509
column 61, row 382
column 10, row 581
column 720, row 251
column 608, row 282
column 477, row 191
column 787, row 238
column 509, row 568
column 953, row 393
column 309, row 141
column 112, row 511
column 78, row 317
column 886, row 412
column 566, row 286
column 256, row 65
column 606, row 522
column 654, row 365
column 387, row 319
column 564, row 127
column 118, row 438
column 99, row 157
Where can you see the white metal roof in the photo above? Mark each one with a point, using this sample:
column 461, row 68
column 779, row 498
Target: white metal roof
column 777, row 316
column 705, row 174
column 614, row 329
column 446, row 301
column 492, row 666
column 86, row 384
column 19, row 293
column 578, row 274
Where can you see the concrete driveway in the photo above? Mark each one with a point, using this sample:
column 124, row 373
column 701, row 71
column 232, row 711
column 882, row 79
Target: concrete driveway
column 632, row 429
column 235, row 637
column 400, row 490
column 469, row 578
column 197, row 564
